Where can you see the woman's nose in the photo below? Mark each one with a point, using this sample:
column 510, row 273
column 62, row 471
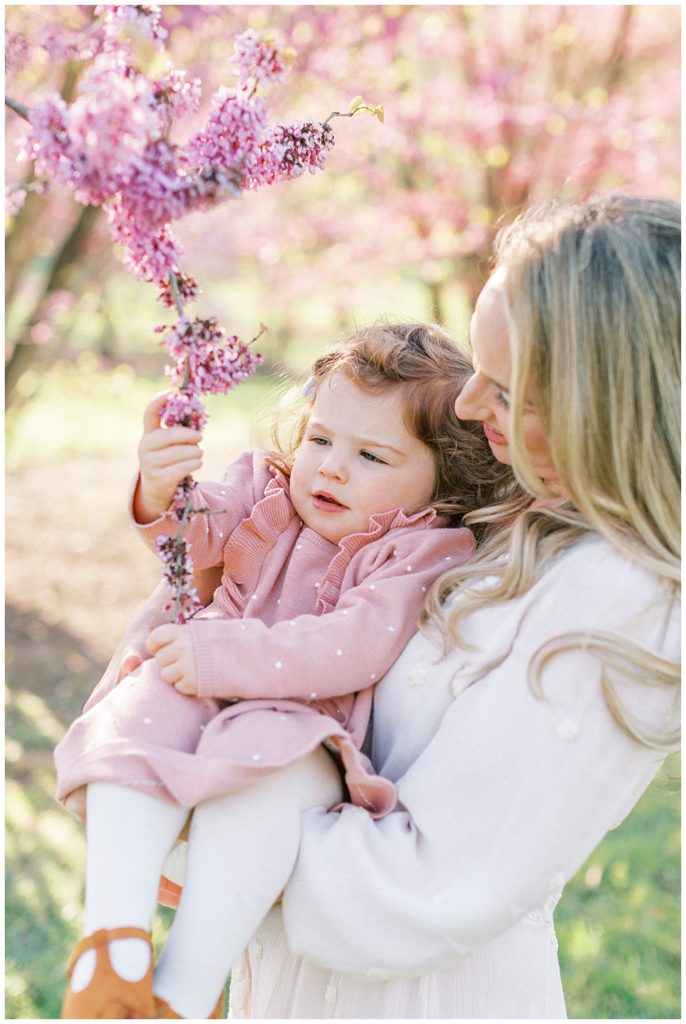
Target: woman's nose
column 469, row 404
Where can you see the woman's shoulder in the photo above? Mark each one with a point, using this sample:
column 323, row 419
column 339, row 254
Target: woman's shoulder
column 595, row 589
column 597, row 570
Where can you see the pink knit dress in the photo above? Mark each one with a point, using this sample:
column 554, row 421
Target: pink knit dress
column 287, row 654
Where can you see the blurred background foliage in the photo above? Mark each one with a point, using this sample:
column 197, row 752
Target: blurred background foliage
column 489, row 109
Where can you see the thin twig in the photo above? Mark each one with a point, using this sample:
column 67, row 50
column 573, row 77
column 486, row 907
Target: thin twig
column 174, row 285
column 18, row 108
column 336, row 113
column 179, row 557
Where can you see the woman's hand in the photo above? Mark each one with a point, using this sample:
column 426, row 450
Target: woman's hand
column 172, row 648
column 166, row 455
column 133, row 655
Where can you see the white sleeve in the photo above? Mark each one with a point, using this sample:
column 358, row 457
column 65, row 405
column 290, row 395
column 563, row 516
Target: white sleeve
column 500, row 809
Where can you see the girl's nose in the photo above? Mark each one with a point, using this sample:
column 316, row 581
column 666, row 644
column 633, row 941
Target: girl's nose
column 470, row 404
column 333, row 467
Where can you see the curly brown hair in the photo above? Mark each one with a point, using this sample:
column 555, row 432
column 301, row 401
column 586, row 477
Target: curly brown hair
column 430, row 370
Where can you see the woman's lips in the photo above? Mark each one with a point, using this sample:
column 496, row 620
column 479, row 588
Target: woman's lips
column 493, row 435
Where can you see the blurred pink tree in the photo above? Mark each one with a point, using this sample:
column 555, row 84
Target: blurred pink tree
column 488, row 109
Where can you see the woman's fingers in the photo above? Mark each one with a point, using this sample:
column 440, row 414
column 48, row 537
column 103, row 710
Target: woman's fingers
column 130, row 662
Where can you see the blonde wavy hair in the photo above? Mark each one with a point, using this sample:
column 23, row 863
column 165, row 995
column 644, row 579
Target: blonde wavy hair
column 593, row 294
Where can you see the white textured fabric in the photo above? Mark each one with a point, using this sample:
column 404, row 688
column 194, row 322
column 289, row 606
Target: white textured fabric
column 443, row 909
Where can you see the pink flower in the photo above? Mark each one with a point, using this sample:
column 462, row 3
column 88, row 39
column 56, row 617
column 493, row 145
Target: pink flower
column 232, row 137
column 16, row 50
column 187, row 286
column 291, row 149
column 47, row 142
column 147, row 18
column 183, row 410
column 93, row 144
column 205, row 361
column 257, row 60
column 175, row 94
column 177, row 572
column 151, row 253
column 15, row 197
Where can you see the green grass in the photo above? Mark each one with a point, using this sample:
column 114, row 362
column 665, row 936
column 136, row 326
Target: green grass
column 618, row 923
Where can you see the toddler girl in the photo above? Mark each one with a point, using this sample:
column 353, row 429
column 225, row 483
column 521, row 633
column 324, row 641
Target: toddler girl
column 328, row 547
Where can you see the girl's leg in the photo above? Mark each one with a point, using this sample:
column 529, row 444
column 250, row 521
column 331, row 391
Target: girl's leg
column 241, row 851
column 129, row 834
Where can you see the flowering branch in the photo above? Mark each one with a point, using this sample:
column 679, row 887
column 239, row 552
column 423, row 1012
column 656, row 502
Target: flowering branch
column 111, row 146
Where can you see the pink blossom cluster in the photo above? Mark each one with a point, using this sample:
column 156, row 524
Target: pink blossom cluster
column 233, row 135
column 205, row 361
column 14, row 199
column 92, row 144
column 176, row 94
column 292, row 149
column 146, row 17
column 257, row 60
column 110, row 145
column 178, row 572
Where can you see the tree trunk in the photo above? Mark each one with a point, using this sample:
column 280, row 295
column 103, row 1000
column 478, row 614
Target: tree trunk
column 69, row 253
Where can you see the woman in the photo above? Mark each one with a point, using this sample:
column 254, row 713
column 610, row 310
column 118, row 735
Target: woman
column 540, row 697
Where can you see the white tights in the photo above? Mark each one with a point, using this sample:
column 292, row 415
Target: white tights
column 241, row 851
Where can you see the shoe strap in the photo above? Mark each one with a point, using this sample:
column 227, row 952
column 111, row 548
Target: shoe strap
column 103, row 937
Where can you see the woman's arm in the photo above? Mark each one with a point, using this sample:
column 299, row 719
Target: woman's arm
column 503, row 805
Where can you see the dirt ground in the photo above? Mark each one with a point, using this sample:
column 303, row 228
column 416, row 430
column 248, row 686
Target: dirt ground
column 74, row 574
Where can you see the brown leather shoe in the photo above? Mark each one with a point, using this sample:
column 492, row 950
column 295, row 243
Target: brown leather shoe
column 164, row 1010
column 107, row 995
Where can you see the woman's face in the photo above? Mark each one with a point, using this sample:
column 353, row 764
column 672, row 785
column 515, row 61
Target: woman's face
column 486, row 395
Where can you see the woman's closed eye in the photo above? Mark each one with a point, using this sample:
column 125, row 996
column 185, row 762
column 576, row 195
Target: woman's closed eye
column 500, row 398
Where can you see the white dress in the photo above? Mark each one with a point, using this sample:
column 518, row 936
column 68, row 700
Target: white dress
column 443, row 909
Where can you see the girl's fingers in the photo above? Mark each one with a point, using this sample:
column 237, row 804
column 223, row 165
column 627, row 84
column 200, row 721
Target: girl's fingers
column 160, row 636
column 170, row 673
column 153, row 411
column 166, row 437
column 163, row 457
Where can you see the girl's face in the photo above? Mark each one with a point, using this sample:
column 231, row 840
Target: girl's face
column 486, row 395
column 357, row 458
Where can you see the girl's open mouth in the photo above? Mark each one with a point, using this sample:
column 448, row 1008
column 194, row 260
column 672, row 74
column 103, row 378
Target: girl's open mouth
column 324, row 500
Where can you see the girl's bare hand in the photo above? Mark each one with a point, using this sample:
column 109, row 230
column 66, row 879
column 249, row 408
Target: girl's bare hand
column 172, row 648
column 166, row 455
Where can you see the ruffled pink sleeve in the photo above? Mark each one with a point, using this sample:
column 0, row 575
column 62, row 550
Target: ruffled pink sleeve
column 312, row 657
column 228, row 502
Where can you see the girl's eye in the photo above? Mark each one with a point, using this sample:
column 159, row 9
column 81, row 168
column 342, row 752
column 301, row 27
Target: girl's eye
column 319, row 440
column 500, row 398
column 370, row 457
